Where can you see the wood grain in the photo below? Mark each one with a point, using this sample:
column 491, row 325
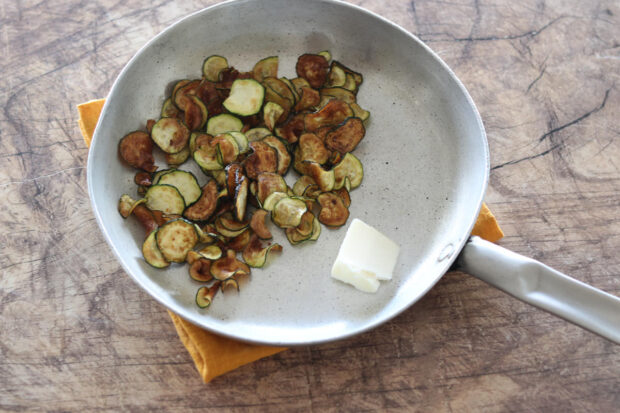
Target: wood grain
column 77, row 334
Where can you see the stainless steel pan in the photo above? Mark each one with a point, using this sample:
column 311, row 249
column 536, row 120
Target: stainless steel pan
column 426, row 161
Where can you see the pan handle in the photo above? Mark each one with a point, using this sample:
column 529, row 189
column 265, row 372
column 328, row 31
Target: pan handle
column 543, row 287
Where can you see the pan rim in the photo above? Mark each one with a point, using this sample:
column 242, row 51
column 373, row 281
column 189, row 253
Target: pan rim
column 181, row 312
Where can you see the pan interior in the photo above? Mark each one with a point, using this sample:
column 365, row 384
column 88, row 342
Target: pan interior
column 424, row 154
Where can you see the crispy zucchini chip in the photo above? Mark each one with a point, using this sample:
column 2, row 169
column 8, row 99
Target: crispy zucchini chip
column 258, row 224
column 347, row 136
column 313, row 68
column 228, row 266
column 205, row 295
column 200, row 270
column 333, row 211
column 203, row 208
column 255, row 255
column 136, row 149
column 175, row 239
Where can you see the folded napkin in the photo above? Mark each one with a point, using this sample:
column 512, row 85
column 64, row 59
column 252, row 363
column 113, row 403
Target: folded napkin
column 215, row 355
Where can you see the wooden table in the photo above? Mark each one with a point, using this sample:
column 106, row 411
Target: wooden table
column 77, row 334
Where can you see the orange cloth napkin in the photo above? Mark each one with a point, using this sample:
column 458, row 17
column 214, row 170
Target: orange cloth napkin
column 215, row 355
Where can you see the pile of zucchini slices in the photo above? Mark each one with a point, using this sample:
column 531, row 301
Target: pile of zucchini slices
column 245, row 130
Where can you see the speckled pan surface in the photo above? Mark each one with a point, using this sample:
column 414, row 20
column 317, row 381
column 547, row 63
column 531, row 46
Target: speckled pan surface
column 425, row 157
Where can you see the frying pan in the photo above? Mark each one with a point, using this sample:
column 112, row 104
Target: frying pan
column 426, row 164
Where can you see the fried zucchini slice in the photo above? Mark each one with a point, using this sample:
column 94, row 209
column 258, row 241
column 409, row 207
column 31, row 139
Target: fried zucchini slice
column 226, row 225
column 170, row 134
column 242, row 141
column 212, row 66
column 196, row 113
column 186, row 184
column 200, row 270
column 203, row 208
column 256, row 134
column 151, row 253
column 258, row 224
column 313, row 68
column 301, row 184
column 226, row 148
column 136, row 149
column 176, row 159
column 273, row 199
column 263, row 159
column 268, row 183
column 287, row 212
column 206, row 156
column 245, row 98
column 349, row 167
column 165, row 198
column 346, row 136
column 205, row 295
column 255, row 255
column 228, row 266
column 239, row 242
column 211, row 252
column 333, row 212
column 267, row 67
column 333, row 113
column 292, row 129
column 223, row 123
column 326, row 180
column 169, row 110
column 126, row 204
column 308, row 99
column 181, row 95
column 311, row 148
column 271, row 113
column 241, row 198
column 175, row 239
column 284, row 157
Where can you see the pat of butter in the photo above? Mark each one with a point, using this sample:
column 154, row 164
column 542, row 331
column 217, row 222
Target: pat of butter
column 365, row 257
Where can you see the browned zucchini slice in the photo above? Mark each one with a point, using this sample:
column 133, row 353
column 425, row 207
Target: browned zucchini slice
column 206, row 156
column 239, row 242
column 305, row 226
column 165, row 198
column 205, row 295
column 175, row 239
column 308, row 99
column 211, row 252
column 169, row 110
column 212, row 66
column 170, row 134
column 273, row 199
column 151, row 253
column 357, row 77
column 298, row 83
column 229, row 283
column 255, row 255
column 344, row 194
column 324, row 179
column 226, row 225
column 350, row 167
column 292, row 129
column 181, row 96
column 316, row 230
column 287, row 212
column 267, row 67
column 143, row 179
column 333, row 211
column 311, row 148
column 333, row 113
column 359, row 112
column 256, row 134
column 203, row 208
column 263, row 159
column 339, row 93
column 234, row 173
column 196, row 113
column 294, row 237
column 313, row 68
column 204, row 237
column 347, row 136
column 200, row 270
column 282, row 89
column 228, row 266
column 242, row 141
column 268, row 183
column 223, row 123
column 126, row 204
column 259, row 224
column 176, row 159
column 284, row 157
column 136, row 148
column 227, row 149
column 301, row 184
column 241, row 198
column 146, row 218
column 271, row 114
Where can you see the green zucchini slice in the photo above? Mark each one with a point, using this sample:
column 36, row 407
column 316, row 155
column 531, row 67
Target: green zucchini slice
column 256, row 134
column 185, row 182
column 287, row 212
column 170, row 134
column 245, row 98
column 205, row 295
column 273, row 199
column 316, row 230
column 136, row 149
column 211, row 252
column 281, row 89
column 255, row 255
column 223, row 123
column 271, row 113
column 176, row 159
column 151, row 253
column 157, row 175
column 333, row 212
column 226, row 147
column 165, row 198
column 295, row 237
column 363, row 114
column 311, row 148
column 349, row 167
column 228, row 266
column 242, row 141
column 169, row 110
column 228, row 227
column 346, row 136
column 203, row 208
column 302, row 184
column 175, row 239
column 267, row 67
column 268, row 183
column 284, row 157
column 212, row 66
column 258, row 224
column 326, row 54
column 206, row 157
